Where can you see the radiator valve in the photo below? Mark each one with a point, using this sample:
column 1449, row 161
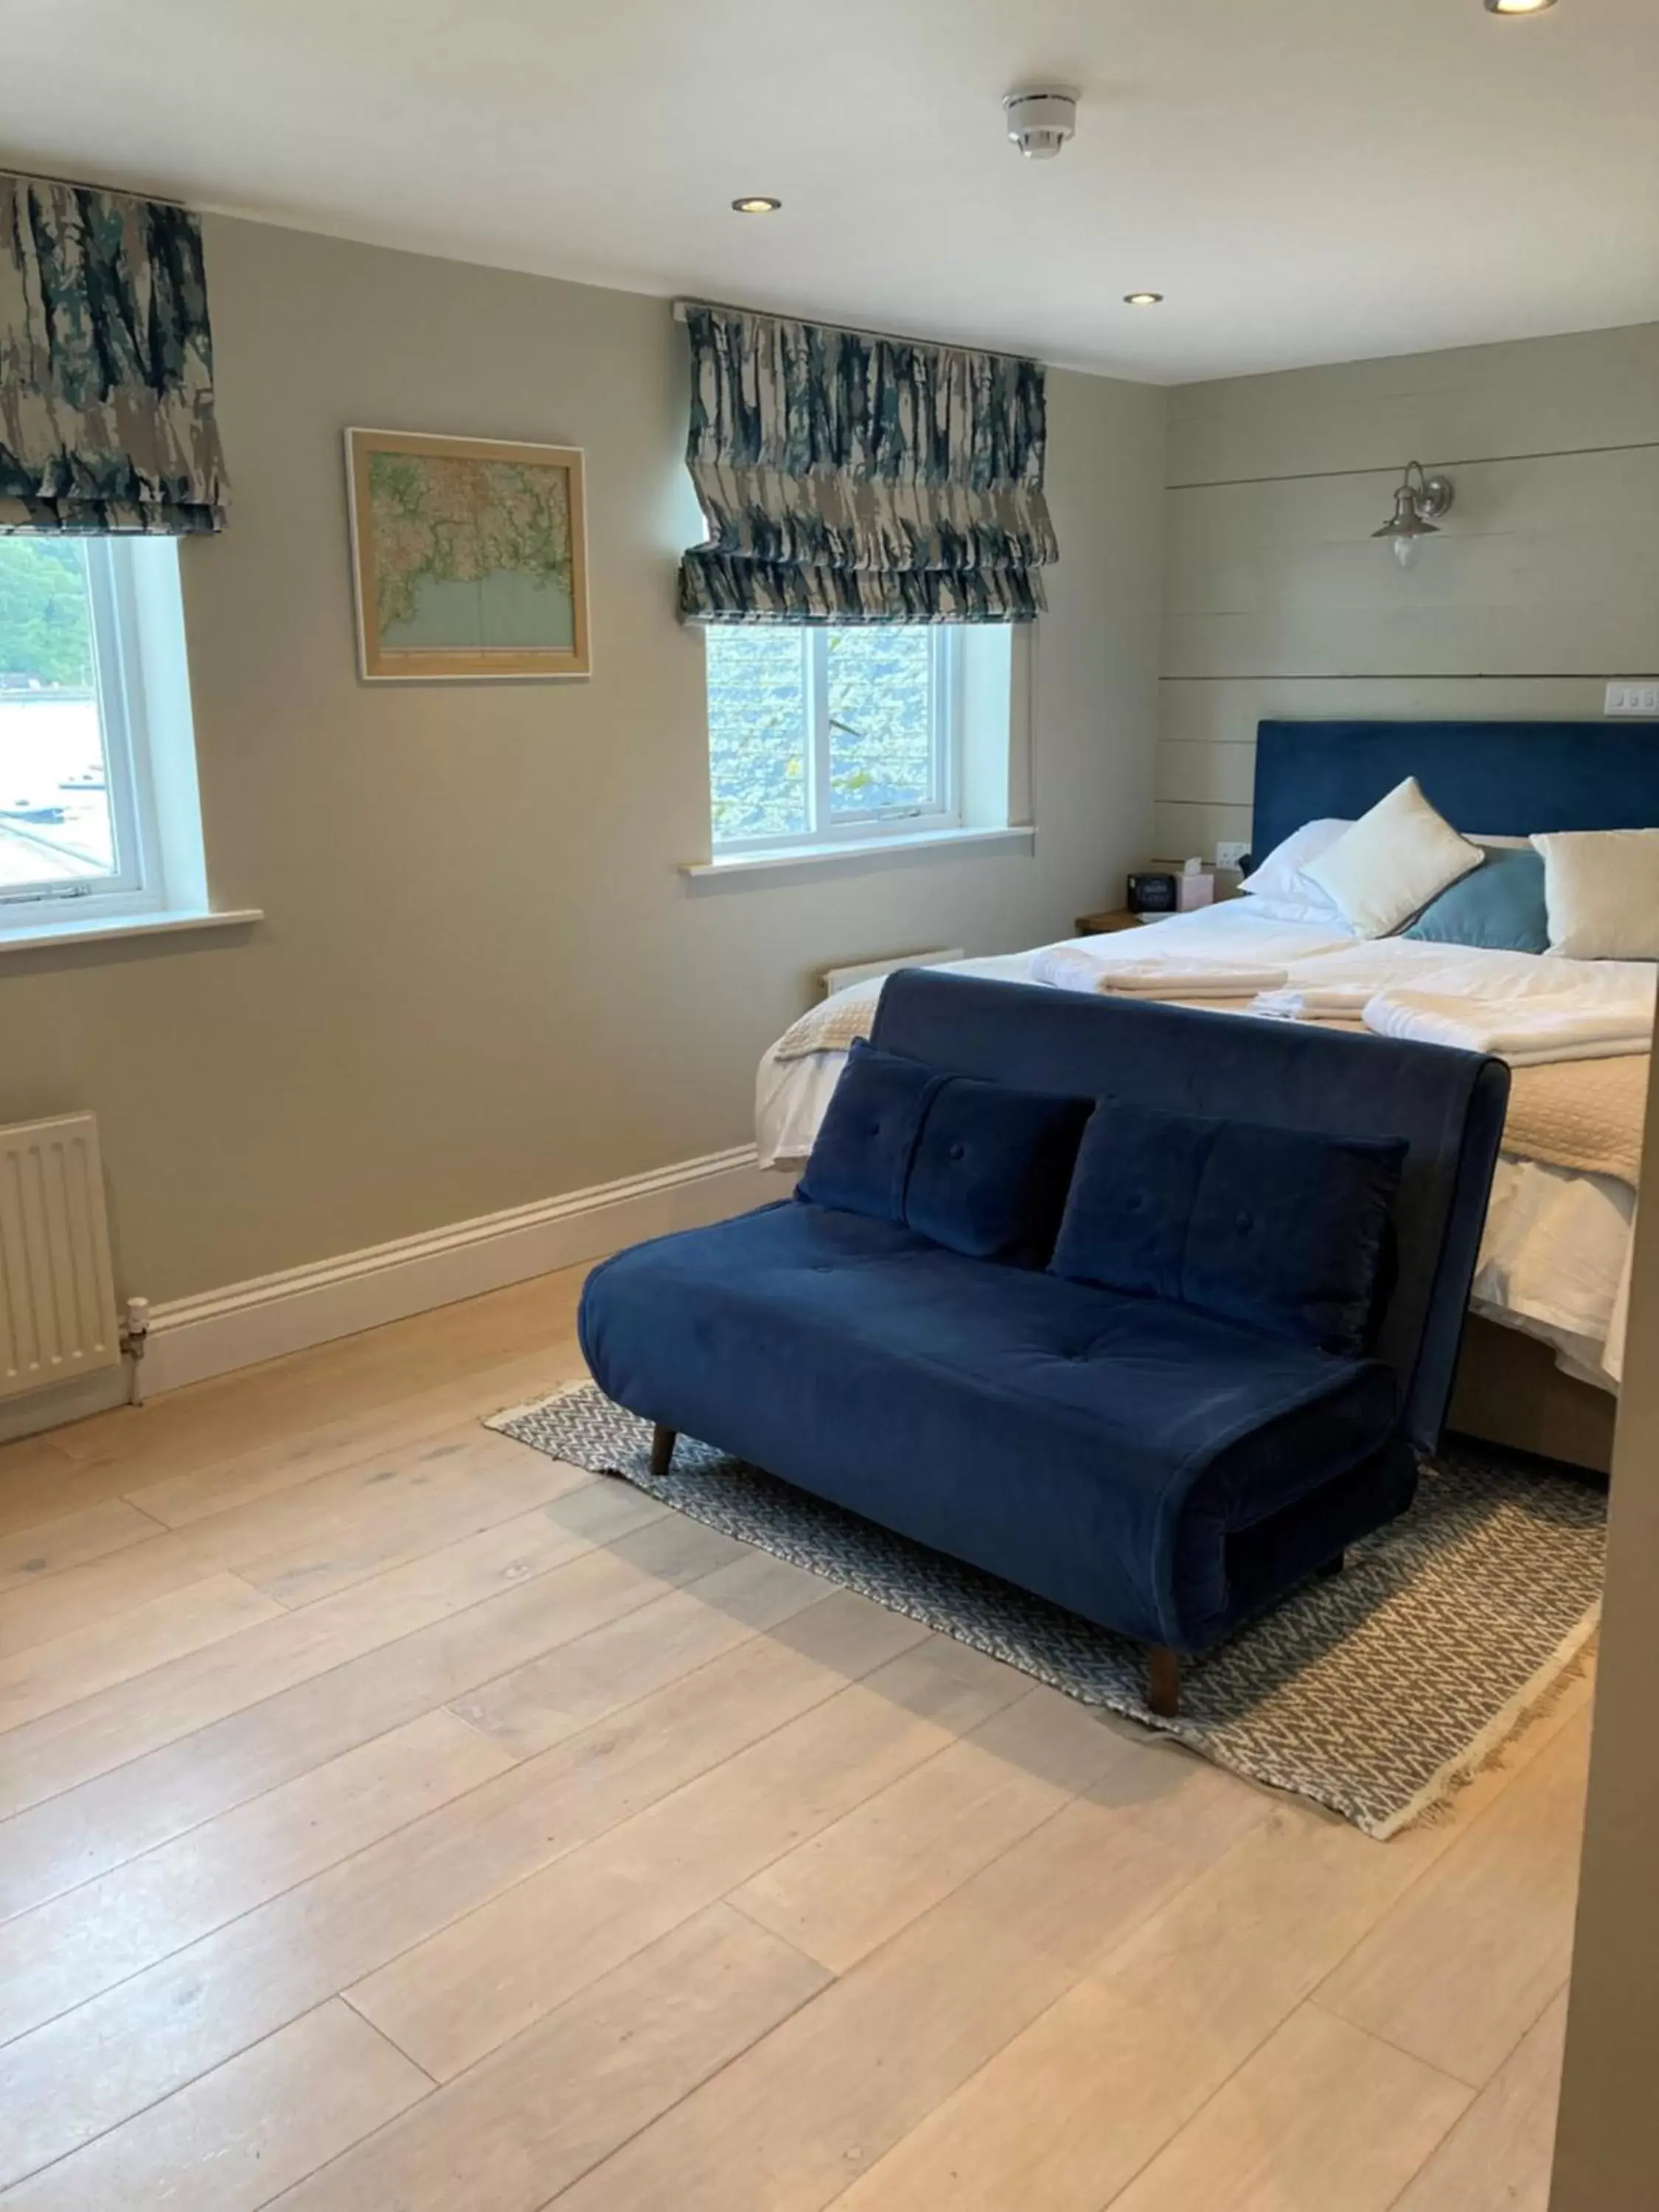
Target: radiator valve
column 134, row 1337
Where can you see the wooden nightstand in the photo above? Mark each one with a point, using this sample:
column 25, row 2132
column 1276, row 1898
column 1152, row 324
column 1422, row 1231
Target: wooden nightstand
column 1098, row 925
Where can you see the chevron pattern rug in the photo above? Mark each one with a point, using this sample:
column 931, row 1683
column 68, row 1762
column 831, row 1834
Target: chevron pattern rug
column 1377, row 1693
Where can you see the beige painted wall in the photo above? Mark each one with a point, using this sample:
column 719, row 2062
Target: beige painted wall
column 1544, row 583
column 1608, row 2145
column 482, row 981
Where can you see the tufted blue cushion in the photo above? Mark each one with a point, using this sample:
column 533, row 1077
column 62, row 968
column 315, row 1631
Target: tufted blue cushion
column 861, row 1160
column 1280, row 1230
column 1499, row 907
column 980, row 1168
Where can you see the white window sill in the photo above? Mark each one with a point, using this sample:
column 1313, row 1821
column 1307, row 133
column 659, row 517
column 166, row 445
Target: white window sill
column 855, row 854
column 99, row 928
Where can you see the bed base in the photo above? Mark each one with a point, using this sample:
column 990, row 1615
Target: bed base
column 1509, row 1391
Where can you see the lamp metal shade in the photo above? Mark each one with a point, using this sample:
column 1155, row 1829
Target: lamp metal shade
column 1406, row 522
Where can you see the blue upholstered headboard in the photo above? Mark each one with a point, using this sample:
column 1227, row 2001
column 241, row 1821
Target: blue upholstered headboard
column 1506, row 779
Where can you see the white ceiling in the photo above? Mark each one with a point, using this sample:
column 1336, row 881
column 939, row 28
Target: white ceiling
column 1306, row 180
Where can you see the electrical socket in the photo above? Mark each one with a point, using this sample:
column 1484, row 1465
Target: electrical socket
column 1633, row 699
column 1230, row 851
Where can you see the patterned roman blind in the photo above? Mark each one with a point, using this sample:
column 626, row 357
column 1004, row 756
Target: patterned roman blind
column 849, row 479
column 106, row 421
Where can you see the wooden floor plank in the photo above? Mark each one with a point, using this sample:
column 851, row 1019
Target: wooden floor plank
column 194, row 1428
column 109, row 1653
column 233, row 2139
column 1462, row 1967
column 1073, row 2108
column 63, row 1953
column 536, row 1706
column 310, row 1445
column 22, row 1458
column 61, row 1750
column 503, row 1615
column 839, row 1894
column 31, row 1555
column 92, row 1595
column 1497, row 2159
column 1324, row 2119
column 98, row 2065
column 511, row 2134
column 788, row 2125
column 452, row 2000
column 304, row 1544
column 1057, row 2120
column 42, row 1486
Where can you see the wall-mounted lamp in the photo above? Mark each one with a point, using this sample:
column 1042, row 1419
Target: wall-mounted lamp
column 1418, row 507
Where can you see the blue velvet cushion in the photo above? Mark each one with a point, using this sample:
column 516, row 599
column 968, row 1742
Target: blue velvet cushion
column 860, row 1160
column 1280, row 1229
column 1499, row 906
column 980, row 1168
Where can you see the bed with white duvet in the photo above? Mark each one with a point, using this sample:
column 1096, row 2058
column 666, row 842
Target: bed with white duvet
column 1555, row 1261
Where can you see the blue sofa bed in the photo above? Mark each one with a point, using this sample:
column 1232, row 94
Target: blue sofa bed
column 1148, row 1310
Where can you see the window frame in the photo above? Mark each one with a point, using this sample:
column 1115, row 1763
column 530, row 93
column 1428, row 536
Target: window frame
column 137, row 885
column 825, row 827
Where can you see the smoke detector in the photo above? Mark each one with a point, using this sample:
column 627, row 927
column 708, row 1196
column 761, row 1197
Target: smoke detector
column 1040, row 123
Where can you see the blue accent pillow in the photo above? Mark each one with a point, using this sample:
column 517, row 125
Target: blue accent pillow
column 1499, row 906
column 860, row 1159
column 981, row 1168
column 1280, row 1230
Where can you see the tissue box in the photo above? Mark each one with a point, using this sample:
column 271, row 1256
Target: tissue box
column 1190, row 891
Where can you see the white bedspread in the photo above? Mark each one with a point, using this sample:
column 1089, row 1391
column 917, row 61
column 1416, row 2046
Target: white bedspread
column 1555, row 1261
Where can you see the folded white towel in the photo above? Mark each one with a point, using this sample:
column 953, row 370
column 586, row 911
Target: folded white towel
column 1315, row 1002
column 1525, row 1032
column 1068, row 968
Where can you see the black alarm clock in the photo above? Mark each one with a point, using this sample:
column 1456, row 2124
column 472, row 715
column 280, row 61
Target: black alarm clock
column 1153, row 893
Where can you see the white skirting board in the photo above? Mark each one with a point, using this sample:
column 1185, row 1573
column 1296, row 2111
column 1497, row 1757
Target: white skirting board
column 191, row 1339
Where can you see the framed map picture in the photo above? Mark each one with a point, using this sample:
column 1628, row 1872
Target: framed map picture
column 470, row 557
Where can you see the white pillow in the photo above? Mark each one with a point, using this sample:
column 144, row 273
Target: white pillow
column 1393, row 861
column 1602, row 887
column 1279, row 888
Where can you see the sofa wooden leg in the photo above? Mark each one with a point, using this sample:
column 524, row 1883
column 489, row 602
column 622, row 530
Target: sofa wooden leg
column 662, row 1449
column 1333, row 1566
column 1164, row 1680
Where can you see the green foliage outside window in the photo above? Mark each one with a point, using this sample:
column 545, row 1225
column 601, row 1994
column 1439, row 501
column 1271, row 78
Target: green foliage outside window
column 45, row 635
column 761, row 711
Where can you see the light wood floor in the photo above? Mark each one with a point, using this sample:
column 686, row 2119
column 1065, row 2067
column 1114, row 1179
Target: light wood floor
column 397, row 1822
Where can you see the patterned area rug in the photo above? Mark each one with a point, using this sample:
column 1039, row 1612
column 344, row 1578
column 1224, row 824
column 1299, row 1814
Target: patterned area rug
column 1377, row 1693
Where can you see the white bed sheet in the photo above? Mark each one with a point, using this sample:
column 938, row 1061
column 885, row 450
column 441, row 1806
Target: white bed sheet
column 1555, row 1258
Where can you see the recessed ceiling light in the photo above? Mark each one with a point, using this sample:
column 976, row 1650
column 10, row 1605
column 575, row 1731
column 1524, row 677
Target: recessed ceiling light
column 758, row 204
column 1143, row 298
column 1518, row 7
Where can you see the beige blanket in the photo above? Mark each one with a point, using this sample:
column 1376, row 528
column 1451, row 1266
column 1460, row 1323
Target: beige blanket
column 1585, row 1116
column 834, row 1024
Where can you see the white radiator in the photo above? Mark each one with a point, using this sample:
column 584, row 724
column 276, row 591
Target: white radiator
column 837, row 979
column 57, row 1290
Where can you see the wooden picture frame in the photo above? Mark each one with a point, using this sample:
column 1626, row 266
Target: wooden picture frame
column 469, row 558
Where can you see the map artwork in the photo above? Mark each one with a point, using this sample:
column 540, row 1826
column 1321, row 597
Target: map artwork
column 469, row 557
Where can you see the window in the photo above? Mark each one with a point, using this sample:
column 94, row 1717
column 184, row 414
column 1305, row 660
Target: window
column 819, row 736
column 98, row 809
